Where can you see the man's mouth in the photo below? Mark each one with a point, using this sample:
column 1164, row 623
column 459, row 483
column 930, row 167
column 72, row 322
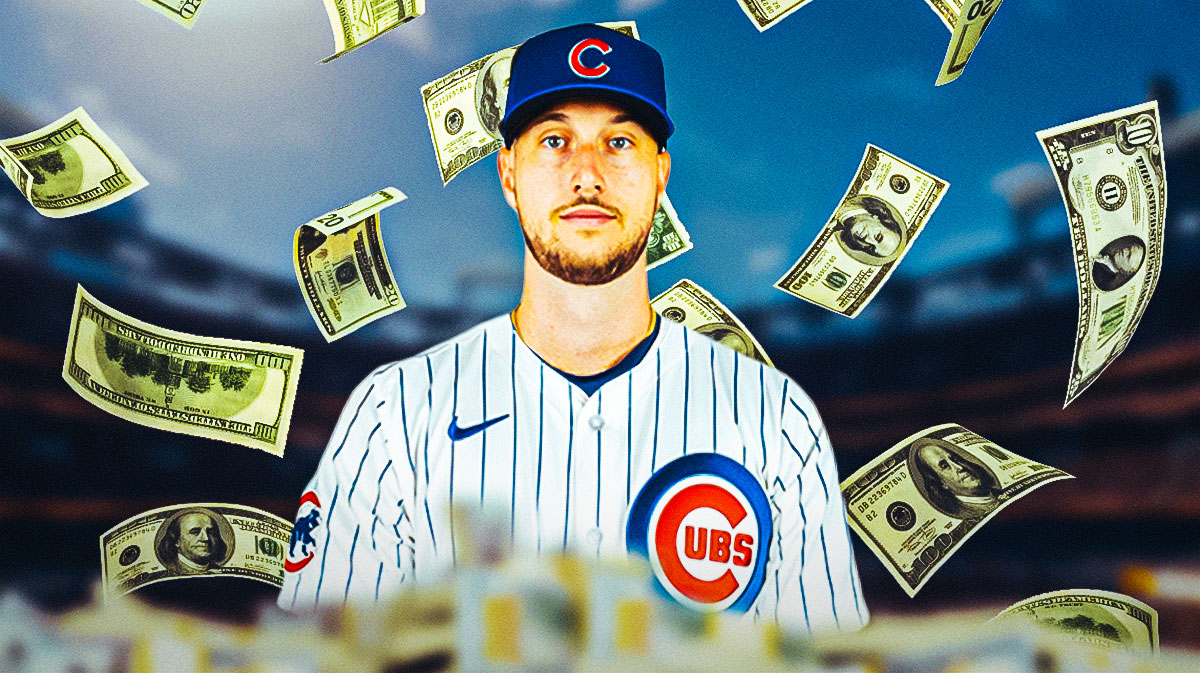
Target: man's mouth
column 587, row 216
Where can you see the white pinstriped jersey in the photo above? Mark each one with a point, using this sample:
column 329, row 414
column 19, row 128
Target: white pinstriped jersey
column 565, row 467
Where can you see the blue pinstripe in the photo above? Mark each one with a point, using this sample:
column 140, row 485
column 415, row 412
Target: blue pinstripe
column 803, row 546
column 687, row 371
column 404, row 424
column 483, row 394
column 657, row 388
column 599, row 401
column 378, row 577
column 712, row 354
column 366, row 452
column 537, row 498
column 762, row 413
column 352, row 420
column 375, row 509
column 325, row 549
column 350, row 573
column 512, row 501
column 429, row 422
column 825, row 552
column 453, row 442
column 628, row 439
column 570, row 446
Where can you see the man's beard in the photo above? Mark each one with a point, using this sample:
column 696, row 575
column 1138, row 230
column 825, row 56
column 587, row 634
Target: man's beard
column 577, row 270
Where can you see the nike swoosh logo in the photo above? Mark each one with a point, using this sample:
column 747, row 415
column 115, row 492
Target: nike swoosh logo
column 457, row 434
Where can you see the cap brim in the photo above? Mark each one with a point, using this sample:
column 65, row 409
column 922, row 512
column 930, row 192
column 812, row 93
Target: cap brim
column 655, row 120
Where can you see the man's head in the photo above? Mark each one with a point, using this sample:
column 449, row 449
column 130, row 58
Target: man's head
column 869, row 227
column 195, row 537
column 955, row 474
column 1118, row 261
column 585, row 163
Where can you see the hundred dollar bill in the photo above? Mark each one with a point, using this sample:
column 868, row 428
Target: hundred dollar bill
column 687, row 303
column 966, row 27
column 193, row 540
column 234, row 391
column 464, row 108
column 879, row 217
column 343, row 269
column 357, row 22
column 1101, row 619
column 69, row 167
column 182, row 12
column 767, row 13
column 667, row 239
column 1111, row 175
column 919, row 501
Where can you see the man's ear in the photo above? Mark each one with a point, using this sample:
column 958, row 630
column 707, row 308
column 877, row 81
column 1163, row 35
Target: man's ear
column 664, row 171
column 504, row 165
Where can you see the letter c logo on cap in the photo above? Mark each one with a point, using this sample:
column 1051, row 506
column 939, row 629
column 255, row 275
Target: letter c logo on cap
column 575, row 58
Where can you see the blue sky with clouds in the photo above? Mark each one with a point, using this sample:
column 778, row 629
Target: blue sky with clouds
column 243, row 135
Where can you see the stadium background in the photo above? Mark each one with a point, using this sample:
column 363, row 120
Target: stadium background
column 243, row 137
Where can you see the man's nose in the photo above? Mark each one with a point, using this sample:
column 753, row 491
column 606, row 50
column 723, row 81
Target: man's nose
column 587, row 178
column 204, row 536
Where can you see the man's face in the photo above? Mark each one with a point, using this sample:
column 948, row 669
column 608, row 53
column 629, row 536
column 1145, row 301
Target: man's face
column 872, row 235
column 1128, row 259
column 952, row 470
column 197, row 537
column 585, row 180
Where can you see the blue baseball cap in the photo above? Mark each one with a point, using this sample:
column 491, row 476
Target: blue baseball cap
column 587, row 61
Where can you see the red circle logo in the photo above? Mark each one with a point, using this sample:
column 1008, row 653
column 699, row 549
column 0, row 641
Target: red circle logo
column 302, row 546
column 575, row 58
column 704, row 542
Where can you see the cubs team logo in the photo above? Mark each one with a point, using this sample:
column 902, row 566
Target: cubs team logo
column 704, row 523
column 302, row 547
column 575, row 58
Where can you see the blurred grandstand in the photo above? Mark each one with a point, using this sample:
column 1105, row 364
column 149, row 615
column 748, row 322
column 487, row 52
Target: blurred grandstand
column 987, row 345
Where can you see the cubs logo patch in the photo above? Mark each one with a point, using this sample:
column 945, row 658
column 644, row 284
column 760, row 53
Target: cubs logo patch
column 302, row 547
column 704, row 523
column 575, row 58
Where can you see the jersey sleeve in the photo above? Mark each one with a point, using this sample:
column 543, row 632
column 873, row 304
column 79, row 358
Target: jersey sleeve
column 812, row 584
column 358, row 546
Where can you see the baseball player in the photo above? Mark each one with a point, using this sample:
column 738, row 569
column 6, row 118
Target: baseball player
column 595, row 427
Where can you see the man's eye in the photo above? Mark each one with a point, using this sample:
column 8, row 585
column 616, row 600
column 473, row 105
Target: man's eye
column 619, row 143
column 553, row 142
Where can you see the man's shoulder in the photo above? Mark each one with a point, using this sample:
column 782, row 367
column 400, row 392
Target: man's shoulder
column 433, row 358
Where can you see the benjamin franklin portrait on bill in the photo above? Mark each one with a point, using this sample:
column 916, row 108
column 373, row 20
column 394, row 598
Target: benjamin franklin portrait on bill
column 870, row 230
column 193, row 541
column 954, row 482
column 491, row 92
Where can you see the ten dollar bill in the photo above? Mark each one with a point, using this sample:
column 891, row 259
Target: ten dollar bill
column 357, row 22
column 1111, row 175
column 343, row 269
column 687, row 303
column 69, row 167
column 877, row 221
column 235, row 391
column 193, row 540
column 919, row 501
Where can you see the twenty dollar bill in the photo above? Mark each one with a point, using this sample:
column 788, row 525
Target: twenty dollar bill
column 182, row 12
column 767, row 13
column 343, row 269
column 966, row 19
column 1111, row 175
column 919, row 501
column 357, row 22
column 234, row 391
column 464, row 108
column 193, row 540
column 1102, row 619
column 879, row 217
column 692, row 306
column 69, row 167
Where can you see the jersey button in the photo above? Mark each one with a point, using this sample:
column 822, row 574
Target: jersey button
column 596, row 422
column 594, row 536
